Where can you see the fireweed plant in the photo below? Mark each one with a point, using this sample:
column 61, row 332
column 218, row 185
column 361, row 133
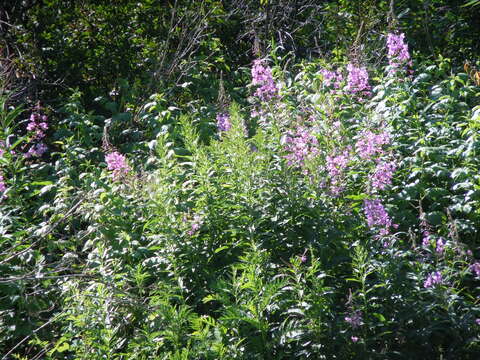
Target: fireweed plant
column 343, row 225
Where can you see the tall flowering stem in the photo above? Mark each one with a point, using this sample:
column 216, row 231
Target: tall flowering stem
column 383, row 174
column 398, row 54
column 336, row 164
column 223, row 122
column 377, row 216
column 370, row 144
column 433, row 279
column 3, row 186
column 117, row 163
column 262, row 77
column 37, row 126
column 300, row 146
column 330, row 78
column 357, row 80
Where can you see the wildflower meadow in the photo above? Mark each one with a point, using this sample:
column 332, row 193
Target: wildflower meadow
column 240, row 180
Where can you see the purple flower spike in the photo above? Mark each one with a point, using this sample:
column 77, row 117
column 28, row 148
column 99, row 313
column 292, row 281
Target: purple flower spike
column 398, row 54
column 383, row 175
column 476, row 268
column 377, row 216
column 117, row 163
column 357, row 80
column 262, row 77
column 355, row 319
column 3, row 186
column 223, row 122
column 433, row 279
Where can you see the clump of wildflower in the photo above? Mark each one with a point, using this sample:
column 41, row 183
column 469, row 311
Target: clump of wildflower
column 383, row 174
column 440, row 246
column 223, row 122
column 377, row 216
column 36, row 150
column 117, row 163
column 357, row 80
column 354, row 339
column 355, row 319
column 336, row 164
column 38, row 124
column 370, row 144
column 398, row 54
column 300, row 146
column 262, row 77
column 303, row 257
column 426, row 235
column 476, row 268
column 433, row 279
column 3, row 186
column 332, row 77
column 477, row 321
column 196, row 224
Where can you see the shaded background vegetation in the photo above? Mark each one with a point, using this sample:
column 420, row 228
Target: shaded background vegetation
column 90, row 267
column 54, row 46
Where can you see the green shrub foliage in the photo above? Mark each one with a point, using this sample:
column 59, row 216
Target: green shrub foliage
column 291, row 208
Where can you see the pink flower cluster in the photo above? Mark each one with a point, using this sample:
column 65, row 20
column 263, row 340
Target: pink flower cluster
column 398, row 54
column 377, row 216
column 223, row 122
column 37, row 125
column 262, row 77
column 332, row 77
column 370, row 144
column 117, row 163
column 357, row 80
column 383, row 174
column 355, row 319
column 3, row 186
column 335, row 167
column 300, row 146
column 433, row 279
column 440, row 246
column 476, row 268
column 36, row 150
column 196, row 224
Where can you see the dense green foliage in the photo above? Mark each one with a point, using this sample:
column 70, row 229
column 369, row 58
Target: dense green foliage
column 135, row 224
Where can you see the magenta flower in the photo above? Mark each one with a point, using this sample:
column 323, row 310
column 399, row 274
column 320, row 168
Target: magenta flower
column 377, row 216
column 332, row 77
column 357, row 80
column 383, row 174
column 335, row 167
column 440, row 246
column 476, row 268
column 398, row 54
column 223, row 122
column 3, row 186
column 354, row 339
column 38, row 124
column 117, row 163
column 370, row 144
column 196, row 224
column 433, row 279
column 300, row 146
column 355, row 319
column 36, row 150
column 262, row 77
column 336, row 164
